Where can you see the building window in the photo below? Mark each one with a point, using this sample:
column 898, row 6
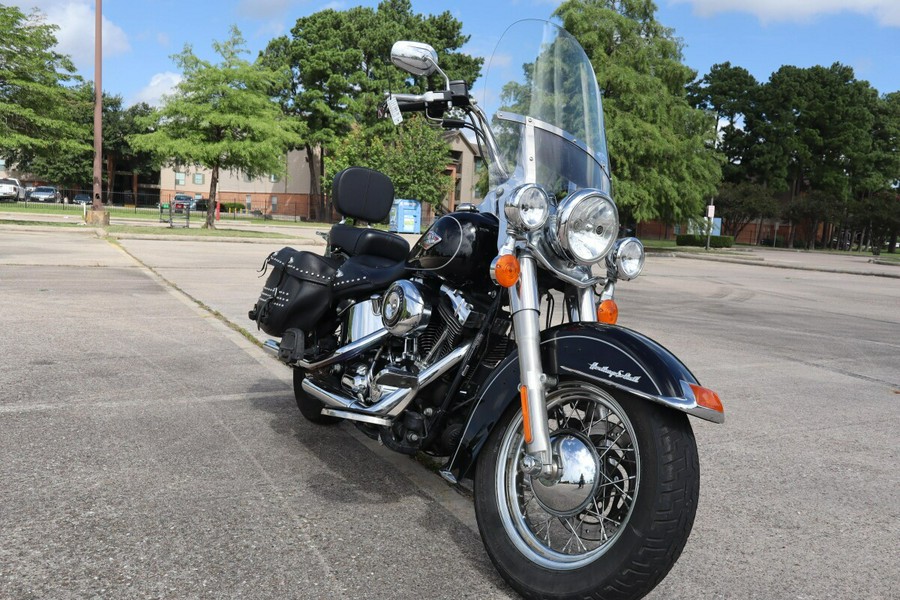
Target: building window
column 198, row 178
column 2, row 163
column 179, row 178
column 274, row 178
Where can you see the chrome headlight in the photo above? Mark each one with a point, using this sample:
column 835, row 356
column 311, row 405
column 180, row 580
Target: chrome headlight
column 527, row 207
column 587, row 226
column 627, row 258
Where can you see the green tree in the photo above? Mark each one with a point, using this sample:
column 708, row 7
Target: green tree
column 661, row 148
column 221, row 117
column 414, row 155
column 729, row 93
column 132, row 121
column 813, row 131
column 740, row 203
column 74, row 168
column 35, row 103
column 880, row 213
column 340, row 69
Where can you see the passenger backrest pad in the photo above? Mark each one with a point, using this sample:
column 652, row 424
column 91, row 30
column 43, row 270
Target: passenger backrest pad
column 362, row 193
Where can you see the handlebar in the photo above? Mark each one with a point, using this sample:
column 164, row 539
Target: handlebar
column 419, row 102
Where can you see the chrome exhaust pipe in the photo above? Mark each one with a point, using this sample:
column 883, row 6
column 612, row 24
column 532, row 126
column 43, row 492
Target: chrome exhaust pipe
column 391, row 405
column 341, row 354
column 347, row 352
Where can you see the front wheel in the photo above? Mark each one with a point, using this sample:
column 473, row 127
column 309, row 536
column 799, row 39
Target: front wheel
column 617, row 519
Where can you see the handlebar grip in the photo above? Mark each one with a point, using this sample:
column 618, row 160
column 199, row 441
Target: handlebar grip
column 410, row 102
column 411, row 106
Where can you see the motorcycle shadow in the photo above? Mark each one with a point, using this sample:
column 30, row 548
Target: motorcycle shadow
column 337, row 466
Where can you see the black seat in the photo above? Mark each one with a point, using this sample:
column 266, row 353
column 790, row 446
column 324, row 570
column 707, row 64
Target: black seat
column 364, row 274
column 355, row 241
column 365, row 195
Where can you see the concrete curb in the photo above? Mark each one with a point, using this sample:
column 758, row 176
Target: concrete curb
column 762, row 263
column 200, row 238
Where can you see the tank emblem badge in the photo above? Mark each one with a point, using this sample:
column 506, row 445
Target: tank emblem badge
column 430, row 240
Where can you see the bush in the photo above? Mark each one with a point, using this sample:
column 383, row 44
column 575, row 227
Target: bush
column 715, row 241
column 232, row 206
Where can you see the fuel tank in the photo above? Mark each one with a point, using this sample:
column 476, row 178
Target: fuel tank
column 458, row 248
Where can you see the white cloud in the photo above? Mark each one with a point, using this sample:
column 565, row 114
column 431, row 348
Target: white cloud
column 886, row 12
column 160, row 85
column 75, row 36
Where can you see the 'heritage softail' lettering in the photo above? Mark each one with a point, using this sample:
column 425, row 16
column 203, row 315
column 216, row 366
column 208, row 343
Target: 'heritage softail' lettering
column 617, row 374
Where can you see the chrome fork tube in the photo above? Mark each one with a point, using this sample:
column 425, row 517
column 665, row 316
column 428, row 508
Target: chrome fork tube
column 526, row 315
column 587, row 305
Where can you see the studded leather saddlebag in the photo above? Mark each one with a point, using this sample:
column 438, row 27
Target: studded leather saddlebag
column 297, row 292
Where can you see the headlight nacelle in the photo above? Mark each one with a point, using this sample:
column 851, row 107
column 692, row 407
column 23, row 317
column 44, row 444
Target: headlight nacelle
column 587, row 226
column 527, row 207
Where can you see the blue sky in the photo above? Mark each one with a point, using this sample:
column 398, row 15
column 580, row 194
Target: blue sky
column 760, row 35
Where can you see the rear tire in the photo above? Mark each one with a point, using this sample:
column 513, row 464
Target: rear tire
column 310, row 407
column 631, row 531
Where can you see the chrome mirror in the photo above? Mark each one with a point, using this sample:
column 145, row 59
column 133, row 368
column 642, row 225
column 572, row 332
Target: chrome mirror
column 414, row 57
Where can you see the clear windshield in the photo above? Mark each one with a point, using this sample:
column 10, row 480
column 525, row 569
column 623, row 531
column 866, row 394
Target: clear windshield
column 543, row 103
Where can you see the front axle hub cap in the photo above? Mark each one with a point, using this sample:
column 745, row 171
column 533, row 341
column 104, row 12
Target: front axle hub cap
column 577, row 483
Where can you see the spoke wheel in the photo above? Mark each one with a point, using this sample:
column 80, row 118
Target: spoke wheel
column 617, row 520
column 550, row 537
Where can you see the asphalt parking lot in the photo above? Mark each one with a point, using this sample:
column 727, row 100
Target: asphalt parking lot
column 149, row 449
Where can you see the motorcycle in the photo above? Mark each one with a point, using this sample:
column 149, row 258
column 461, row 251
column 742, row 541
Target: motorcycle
column 573, row 436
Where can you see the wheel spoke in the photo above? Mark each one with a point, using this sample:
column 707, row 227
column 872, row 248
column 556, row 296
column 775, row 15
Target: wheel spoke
column 614, row 483
column 574, row 536
column 613, row 444
column 600, row 517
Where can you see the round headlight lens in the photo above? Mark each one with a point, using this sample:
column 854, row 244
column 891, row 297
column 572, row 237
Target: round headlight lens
column 588, row 225
column 527, row 207
column 629, row 258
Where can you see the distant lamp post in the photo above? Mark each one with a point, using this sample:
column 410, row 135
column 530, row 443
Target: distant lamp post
column 98, row 214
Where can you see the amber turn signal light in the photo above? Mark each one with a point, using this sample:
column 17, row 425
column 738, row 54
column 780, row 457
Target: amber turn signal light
column 505, row 270
column 608, row 312
column 707, row 398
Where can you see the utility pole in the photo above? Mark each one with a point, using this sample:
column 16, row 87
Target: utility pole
column 98, row 215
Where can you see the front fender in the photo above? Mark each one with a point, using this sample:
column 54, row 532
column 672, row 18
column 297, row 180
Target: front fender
column 611, row 356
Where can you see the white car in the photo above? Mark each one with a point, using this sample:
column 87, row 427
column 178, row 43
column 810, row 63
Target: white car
column 11, row 189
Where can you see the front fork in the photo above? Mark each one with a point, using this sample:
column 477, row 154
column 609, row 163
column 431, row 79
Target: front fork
column 526, row 312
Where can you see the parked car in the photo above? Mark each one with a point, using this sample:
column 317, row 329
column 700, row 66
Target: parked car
column 45, row 193
column 201, row 204
column 11, row 189
column 82, row 199
column 181, row 202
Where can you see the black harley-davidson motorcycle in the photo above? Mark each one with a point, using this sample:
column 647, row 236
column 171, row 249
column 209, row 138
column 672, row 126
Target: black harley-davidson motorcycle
column 575, row 435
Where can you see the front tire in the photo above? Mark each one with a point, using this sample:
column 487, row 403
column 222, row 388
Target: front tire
column 641, row 503
column 310, row 407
